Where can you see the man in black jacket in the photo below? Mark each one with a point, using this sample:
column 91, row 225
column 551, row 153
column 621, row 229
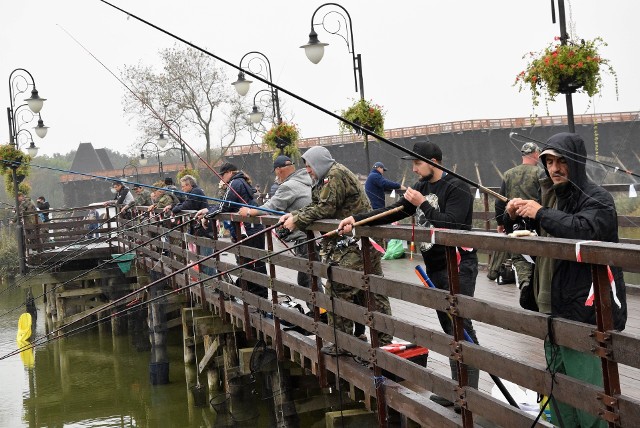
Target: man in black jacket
column 437, row 200
column 572, row 207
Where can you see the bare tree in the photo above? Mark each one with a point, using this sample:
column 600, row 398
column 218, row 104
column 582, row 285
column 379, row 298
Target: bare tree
column 191, row 88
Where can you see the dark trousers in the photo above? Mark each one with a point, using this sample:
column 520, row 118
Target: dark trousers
column 468, row 271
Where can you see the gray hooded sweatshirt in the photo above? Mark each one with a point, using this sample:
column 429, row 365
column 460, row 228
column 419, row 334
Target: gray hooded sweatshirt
column 293, row 194
column 320, row 161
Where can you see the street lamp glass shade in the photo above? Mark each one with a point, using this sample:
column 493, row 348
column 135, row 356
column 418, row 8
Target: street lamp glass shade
column 162, row 141
column 242, row 85
column 35, row 103
column 41, row 130
column 143, row 160
column 314, row 49
column 256, row 115
column 32, row 150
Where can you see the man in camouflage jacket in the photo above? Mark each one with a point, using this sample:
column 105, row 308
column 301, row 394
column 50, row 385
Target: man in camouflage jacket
column 337, row 193
column 522, row 181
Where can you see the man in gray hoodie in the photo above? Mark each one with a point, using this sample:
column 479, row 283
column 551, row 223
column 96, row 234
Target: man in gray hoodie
column 293, row 193
column 337, row 193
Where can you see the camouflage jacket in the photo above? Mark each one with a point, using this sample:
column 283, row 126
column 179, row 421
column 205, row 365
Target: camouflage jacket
column 338, row 195
column 164, row 201
column 522, row 181
column 27, row 212
column 143, row 199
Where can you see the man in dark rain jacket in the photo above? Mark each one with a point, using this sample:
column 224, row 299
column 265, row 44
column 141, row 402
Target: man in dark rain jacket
column 572, row 207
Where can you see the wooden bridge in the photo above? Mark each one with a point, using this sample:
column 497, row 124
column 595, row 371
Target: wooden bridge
column 511, row 338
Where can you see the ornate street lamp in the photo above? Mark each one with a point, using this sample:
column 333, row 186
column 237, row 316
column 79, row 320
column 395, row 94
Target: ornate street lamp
column 32, row 150
column 124, row 176
column 314, row 49
column 163, row 140
column 262, row 67
column 143, row 160
column 19, row 82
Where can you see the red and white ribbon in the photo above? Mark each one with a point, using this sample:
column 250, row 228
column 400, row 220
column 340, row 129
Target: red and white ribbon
column 612, row 282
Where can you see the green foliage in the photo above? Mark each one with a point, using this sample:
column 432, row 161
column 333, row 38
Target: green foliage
column 8, row 154
column 365, row 114
column 9, row 263
column 283, row 134
column 188, row 171
column 550, row 71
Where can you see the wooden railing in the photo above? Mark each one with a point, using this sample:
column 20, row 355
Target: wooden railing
column 612, row 347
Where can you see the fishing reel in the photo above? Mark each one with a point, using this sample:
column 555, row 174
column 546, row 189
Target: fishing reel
column 282, row 232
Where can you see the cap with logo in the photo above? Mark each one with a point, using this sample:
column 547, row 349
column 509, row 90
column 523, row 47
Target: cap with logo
column 379, row 165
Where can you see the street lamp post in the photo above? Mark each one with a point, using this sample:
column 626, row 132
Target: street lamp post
column 314, row 49
column 263, row 69
column 563, row 41
column 143, row 160
column 163, row 140
column 124, row 176
column 19, row 82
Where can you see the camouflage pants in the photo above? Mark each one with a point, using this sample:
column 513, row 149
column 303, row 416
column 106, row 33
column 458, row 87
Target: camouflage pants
column 523, row 268
column 351, row 258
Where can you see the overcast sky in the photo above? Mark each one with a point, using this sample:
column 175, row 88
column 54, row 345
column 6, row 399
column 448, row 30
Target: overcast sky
column 425, row 61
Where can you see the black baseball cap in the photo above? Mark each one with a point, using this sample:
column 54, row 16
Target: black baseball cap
column 281, row 161
column 226, row 167
column 426, row 149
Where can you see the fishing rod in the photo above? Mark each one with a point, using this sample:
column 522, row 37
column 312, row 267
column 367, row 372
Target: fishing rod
column 578, row 155
column 176, row 135
column 44, row 266
column 164, row 278
column 312, row 104
column 135, row 247
column 149, row 186
column 186, row 287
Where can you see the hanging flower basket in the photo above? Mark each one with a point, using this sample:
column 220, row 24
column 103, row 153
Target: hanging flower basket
column 565, row 69
column 9, row 153
column 283, row 136
column 365, row 114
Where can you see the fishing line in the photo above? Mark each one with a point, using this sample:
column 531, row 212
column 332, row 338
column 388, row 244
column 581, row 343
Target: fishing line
column 166, row 277
column 578, row 155
column 149, row 186
column 267, row 257
column 176, row 135
column 578, row 158
column 44, row 267
column 100, row 265
column 309, row 103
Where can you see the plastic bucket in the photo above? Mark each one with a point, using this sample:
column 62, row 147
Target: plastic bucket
column 159, row 373
column 199, row 395
column 124, row 261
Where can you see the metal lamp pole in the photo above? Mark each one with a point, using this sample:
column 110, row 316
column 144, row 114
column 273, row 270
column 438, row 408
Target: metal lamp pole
column 315, row 50
column 143, row 160
column 563, row 41
column 132, row 166
column 162, row 140
column 263, row 67
column 19, row 82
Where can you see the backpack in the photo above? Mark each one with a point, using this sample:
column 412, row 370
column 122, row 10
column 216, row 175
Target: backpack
column 506, row 273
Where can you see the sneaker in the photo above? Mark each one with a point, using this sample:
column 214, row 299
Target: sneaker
column 440, row 400
column 332, row 349
column 363, row 337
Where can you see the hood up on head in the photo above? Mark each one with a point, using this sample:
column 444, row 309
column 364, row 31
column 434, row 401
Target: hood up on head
column 571, row 147
column 319, row 159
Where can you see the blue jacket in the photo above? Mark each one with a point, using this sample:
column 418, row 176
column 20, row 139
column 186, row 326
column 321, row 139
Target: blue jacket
column 375, row 186
column 193, row 201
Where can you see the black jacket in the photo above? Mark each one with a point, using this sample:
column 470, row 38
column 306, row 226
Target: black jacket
column 453, row 210
column 584, row 211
